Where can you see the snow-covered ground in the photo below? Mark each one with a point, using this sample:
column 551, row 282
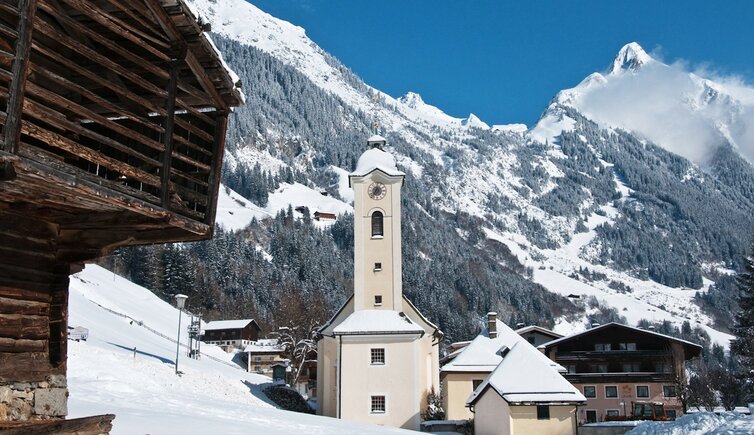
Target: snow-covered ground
column 106, row 374
column 702, row 423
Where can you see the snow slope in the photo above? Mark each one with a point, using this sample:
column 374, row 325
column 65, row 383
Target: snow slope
column 143, row 391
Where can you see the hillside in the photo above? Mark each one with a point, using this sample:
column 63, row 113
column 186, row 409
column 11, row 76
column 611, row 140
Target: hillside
column 498, row 218
column 143, row 391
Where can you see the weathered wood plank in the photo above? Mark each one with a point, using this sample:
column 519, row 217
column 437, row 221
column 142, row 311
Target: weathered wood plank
column 10, row 345
column 23, row 307
column 23, row 294
column 97, row 425
column 12, row 130
column 26, row 366
column 24, row 326
column 169, row 135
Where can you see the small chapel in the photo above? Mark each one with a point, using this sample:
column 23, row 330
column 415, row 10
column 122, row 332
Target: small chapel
column 378, row 355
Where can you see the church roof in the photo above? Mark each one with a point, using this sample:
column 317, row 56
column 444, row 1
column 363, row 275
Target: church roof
column 376, row 159
column 364, row 322
column 521, row 376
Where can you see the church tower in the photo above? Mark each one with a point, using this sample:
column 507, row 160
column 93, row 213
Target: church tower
column 377, row 357
column 376, row 183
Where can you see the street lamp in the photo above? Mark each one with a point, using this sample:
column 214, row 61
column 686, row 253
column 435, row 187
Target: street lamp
column 180, row 302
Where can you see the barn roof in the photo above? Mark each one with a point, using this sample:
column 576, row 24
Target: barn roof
column 217, row 325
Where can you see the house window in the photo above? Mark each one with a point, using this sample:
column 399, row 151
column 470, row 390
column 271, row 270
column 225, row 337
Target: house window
column 377, row 229
column 378, row 299
column 476, row 383
column 602, row 346
column 627, row 346
column 590, row 391
column 591, row 416
column 543, row 412
column 257, row 358
column 642, row 391
column 669, row 391
column 671, row 414
column 611, row 391
column 378, row 404
column 598, row 368
column 631, row 367
column 664, row 368
column 571, row 368
column 377, row 267
column 613, row 413
column 378, row 356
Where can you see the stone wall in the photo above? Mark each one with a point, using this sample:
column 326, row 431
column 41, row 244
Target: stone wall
column 22, row 401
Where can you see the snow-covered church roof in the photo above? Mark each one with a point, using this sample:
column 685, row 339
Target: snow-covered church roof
column 523, row 377
column 376, row 159
column 377, row 322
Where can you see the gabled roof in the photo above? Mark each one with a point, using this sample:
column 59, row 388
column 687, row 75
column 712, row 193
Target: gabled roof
column 523, row 377
column 483, row 354
column 229, row 324
column 376, row 159
column 541, row 330
column 692, row 349
column 365, row 322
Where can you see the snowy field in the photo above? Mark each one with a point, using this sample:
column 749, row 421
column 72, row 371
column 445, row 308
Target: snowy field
column 701, row 423
column 142, row 390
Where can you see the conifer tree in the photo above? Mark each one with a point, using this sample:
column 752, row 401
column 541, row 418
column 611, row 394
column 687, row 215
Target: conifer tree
column 743, row 345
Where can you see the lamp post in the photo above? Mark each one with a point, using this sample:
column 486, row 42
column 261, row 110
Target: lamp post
column 180, row 302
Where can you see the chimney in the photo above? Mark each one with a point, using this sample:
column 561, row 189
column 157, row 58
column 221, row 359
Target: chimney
column 492, row 324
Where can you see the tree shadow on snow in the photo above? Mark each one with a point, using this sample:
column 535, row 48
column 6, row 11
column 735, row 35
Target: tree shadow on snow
column 139, row 352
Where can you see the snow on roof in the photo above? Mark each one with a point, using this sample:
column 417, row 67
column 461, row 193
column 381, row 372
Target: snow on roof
column 364, row 322
column 483, row 353
column 227, row 324
column 376, row 138
column 522, row 376
column 539, row 329
column 264, row 346
column 374, row 159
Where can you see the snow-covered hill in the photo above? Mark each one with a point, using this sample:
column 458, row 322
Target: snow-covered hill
column 558, row 203
column 126, row 367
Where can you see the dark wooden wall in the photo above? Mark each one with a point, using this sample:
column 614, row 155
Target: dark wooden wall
column 33, row 302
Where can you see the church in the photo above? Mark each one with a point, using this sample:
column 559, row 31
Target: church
column 378, row 355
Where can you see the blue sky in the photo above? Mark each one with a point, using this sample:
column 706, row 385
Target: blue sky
column 504, row 61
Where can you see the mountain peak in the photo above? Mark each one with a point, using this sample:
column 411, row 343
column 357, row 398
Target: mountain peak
column 474, row 121
column 630, row 58
column 412, row 100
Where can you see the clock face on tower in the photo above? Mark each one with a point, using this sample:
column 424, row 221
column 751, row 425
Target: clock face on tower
column 377, row 191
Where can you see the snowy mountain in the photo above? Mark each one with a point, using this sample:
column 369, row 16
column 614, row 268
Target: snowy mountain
column 582, row 204
column 126, row 367
column 665, row 104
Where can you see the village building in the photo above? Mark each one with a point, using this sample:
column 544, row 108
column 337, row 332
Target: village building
column 113, row 130
column 616, row 366
column 537, row 335
column 475, row 361
column 262, row 355
column 231, row 334
column 378, row 355
column 525, row 395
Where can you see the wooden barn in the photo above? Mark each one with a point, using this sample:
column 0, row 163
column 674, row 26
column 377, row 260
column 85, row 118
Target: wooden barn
column 114, row 116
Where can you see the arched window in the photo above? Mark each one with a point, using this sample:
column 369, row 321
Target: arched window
column 377, row 224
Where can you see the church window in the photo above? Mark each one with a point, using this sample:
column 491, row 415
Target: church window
column 543, row 412
column 377, row 227
column 378, row 404
column 378, row 299
column 378, row 356
column 377, row 267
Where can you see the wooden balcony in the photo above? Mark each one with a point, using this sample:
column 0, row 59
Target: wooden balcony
column 114, row 121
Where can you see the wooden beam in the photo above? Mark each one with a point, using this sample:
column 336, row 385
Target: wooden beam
column 101, row 424
column 12, row 131
column 218, row 149
column 169, row 133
